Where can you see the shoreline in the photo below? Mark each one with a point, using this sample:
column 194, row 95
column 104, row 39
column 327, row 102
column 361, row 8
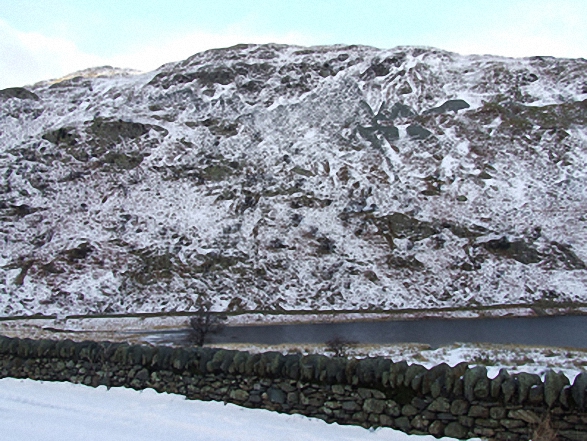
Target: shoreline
column 133, row 327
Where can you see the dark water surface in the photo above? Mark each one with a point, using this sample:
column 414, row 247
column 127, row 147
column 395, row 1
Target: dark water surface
column 560, row 331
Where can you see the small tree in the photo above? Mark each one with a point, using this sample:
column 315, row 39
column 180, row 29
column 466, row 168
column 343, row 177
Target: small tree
column 203, row 323
column 339, row 346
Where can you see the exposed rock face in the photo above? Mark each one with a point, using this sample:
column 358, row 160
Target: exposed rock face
column 300, row 178
column 19, row 93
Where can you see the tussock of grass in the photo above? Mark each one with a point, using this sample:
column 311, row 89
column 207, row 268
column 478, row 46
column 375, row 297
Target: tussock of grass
column 544, row 431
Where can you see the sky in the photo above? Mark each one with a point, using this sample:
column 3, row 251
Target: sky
column 49, row 39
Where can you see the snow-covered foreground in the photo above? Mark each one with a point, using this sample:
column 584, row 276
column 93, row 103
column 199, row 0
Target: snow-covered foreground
column 44, row 411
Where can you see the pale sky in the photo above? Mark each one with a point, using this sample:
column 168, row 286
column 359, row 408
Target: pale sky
column 51, row 38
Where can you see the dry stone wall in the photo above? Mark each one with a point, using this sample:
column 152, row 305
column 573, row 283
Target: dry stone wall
column 459, row 401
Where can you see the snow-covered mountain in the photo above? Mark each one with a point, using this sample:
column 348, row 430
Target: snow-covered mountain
column 281, row 177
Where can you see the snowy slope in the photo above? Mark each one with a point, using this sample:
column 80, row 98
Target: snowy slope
column 280, row 177
column 44, row 411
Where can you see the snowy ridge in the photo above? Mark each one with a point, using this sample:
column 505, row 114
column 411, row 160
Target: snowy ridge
column 280, row 177
column 92, row 72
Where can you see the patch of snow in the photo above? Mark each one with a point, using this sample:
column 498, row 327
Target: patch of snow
column 46, row 411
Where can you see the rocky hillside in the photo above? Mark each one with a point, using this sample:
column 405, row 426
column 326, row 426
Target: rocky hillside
column 280, row 177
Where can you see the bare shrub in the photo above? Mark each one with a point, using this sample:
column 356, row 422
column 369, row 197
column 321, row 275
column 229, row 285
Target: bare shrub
column 203, row 323
column 338, row 346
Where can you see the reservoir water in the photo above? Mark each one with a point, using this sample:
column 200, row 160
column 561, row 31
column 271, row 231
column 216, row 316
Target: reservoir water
column 558, row 331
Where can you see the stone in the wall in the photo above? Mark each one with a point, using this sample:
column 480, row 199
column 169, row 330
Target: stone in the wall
column 496, row 383
column 436, row 428
column 365, row 393
column 553, row 385
column 524, row 415
column 578, row 389
column 392, row 408
column 220, row 362
column 438, row 380
column 471, row 378
column 181, row 360
column 478, row 411
column 565, row 396
column 403, row 424
column 4, row 344
column 508, row 388
column 239, row 362
column 481, row 389
column 66, row 349
column 497, row 413
column 421, row 403
column 574, row 435
column 536, row 394
column 484, row 422
column 373, row 405
column 459, row 407
column 455, row 430
column 162, row 359
column 512, row 424
column 147, row 354
column 420, row 423
column 525, row 382
column 466, row 421
column 239, row 395
column 270, row 364
column 440, row 405
column 134, row 355
column 311, row 366
column 334, row 371
column 484, row 432
column 350, row 406
column 413, row 376
column 409, row 410
column 142, row 375
column 366, row 371
column 252, row 360
column 85, row 350
column 276, row 395
column 293, row 398
column 397, row 373
column 385, row 420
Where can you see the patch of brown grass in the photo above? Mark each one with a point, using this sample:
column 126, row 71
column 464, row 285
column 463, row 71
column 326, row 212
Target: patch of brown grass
column 544, row 431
